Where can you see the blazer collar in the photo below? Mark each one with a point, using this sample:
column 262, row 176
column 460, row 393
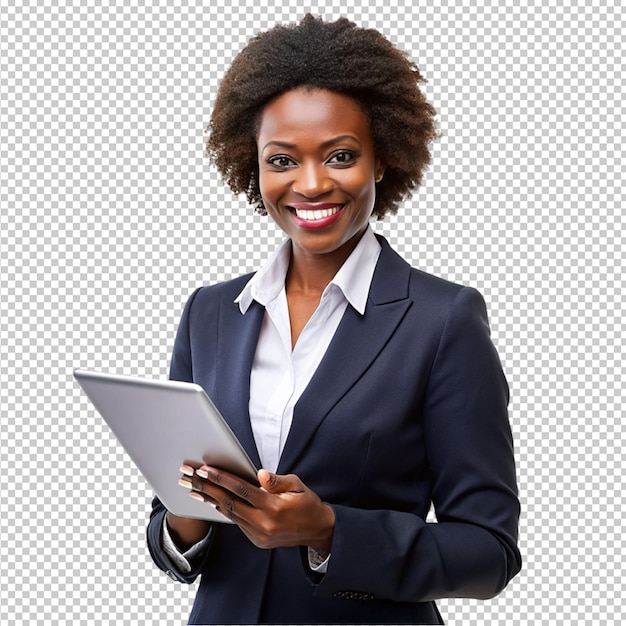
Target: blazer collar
column 237, row 338
column 356, row 344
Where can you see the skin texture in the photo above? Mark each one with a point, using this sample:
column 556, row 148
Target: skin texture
column 315, row 153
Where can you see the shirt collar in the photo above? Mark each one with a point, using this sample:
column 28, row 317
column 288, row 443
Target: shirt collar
column 354, row 277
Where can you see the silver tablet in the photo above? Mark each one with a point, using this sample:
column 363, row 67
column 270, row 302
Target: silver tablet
column 161, row 425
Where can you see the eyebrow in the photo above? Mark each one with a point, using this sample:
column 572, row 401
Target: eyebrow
column 325, row 144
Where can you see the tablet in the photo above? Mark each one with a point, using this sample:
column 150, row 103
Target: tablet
column 161, row 425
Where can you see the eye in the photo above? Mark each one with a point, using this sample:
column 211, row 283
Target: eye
column 343, row 157
column 281, row 161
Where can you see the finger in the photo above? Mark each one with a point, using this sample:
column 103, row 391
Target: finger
column 206, row 487
column 225, row 481
column 236, row 510
column 229, row 503
column 248, row 525
column 249, row 528
column 185, row 481
column 187, row 470
column 203, row 497
column 280, row 483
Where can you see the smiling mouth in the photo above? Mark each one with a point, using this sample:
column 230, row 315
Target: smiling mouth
column 312, row 215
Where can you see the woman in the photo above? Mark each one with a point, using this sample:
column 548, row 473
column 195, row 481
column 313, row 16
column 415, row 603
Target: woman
column 366, row 389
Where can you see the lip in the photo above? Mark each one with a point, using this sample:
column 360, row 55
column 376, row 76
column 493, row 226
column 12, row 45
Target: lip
column 312, row 206
column 321, row 222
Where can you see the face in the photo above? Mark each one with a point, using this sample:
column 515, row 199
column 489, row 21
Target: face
column 317, row 169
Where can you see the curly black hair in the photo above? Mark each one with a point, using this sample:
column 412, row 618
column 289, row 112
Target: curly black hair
column 338, row 56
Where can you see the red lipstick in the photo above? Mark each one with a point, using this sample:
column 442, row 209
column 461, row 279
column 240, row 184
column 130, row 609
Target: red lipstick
column 313, row 215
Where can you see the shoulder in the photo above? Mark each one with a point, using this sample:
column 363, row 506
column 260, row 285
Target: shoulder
column 444, row 294
column 450, row 308
column 429, row 292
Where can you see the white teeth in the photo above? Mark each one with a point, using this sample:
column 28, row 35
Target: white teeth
column 316, row 214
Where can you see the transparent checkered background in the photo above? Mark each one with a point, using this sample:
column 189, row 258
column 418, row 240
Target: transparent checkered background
column 110, row 216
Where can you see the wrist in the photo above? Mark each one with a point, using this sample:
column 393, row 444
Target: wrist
column 323, row 541
column 185, row 531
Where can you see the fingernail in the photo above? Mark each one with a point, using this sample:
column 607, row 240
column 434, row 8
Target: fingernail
column 202, row 473
column 184, row 483
column 196, row 496
column 186, row 470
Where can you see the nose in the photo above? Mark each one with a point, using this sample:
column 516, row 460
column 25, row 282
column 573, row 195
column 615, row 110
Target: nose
column 312, row 180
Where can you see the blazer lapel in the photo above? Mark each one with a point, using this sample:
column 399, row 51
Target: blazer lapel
column 356, row 344
column 237, row 339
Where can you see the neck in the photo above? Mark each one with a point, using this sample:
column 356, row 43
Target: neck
column 310, row 273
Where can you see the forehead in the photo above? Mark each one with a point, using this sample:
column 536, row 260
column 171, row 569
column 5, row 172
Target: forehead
column 312, row 113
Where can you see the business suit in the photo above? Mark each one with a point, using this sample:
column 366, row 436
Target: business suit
column 407, row 405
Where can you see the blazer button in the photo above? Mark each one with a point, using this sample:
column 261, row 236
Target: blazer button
column 353, row 595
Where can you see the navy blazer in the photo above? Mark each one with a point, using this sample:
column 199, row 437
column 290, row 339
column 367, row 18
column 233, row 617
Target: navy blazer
column 407, row 407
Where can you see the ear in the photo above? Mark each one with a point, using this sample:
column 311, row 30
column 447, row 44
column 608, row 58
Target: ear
column 379, row 170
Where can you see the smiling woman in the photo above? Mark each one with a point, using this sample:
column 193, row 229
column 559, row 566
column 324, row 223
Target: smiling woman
column 366, row 390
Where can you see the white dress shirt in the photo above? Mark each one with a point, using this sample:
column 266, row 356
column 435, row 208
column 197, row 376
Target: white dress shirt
column 279, row 373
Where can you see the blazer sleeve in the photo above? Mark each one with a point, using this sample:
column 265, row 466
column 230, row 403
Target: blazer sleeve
column 472, row 550
column 180, row 369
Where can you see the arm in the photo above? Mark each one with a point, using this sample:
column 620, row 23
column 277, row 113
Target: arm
column 184, row 532
column 160, row 556
column 472, row 551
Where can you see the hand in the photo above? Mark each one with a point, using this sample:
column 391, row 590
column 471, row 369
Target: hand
column 282, row 512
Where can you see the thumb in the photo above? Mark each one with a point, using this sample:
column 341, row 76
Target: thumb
column 277, row 483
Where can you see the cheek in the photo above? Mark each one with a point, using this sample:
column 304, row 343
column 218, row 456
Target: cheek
column 270, row 193
column 364, row 187
column 266, row 187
